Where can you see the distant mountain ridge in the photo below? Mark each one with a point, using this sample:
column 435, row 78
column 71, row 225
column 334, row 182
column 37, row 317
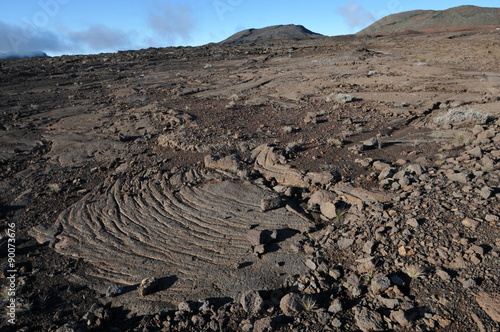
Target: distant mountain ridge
column 274, row 32
column 435, row 20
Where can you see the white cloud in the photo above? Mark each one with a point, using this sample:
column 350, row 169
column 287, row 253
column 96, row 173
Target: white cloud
column 101, row 38
column 98, row 38
column 356, row 16
column 171, row 23
column 22, row 39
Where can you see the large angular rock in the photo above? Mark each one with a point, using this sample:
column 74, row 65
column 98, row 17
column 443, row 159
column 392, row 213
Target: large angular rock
column 335, row 307
column 490, row 303
column 263, row 325
column 147, row 286
column 328, row 209
column 401, row 317
column 340, row 98
column 322, row 178
column 326, row 201
column 354, row 194
column 257, row 237
column 461, row 117
column 380, row 283
column 230, row 163
column 415, row 169
column 370, row 143
column 291, row 304
column 322, row 196
column 470, row 223
column 457, row 177
column 270, row 164
column 252, row 302
column 368, row 320
column 271, row 203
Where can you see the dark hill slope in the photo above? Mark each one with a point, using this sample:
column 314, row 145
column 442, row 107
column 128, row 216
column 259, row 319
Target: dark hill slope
column 275, row 32
column 435, row 20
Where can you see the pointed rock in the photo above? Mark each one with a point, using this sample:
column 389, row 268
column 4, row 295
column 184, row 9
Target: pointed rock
column 368, row 320
column 252, row 302
column 380, row 283
column 147, row 286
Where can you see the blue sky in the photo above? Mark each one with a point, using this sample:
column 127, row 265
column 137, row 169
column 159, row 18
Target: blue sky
column 81, row 27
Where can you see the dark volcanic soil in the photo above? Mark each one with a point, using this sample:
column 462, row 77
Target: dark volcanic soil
column 381, row 153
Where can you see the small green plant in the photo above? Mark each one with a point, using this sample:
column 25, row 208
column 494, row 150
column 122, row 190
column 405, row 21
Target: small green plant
column 308, row 303
column 340, row 215
column 230, row 105
column 414, row 271
column 43, row 299
column 25, row 306
column 341, row 211
column 368, row 276
column 447, row 147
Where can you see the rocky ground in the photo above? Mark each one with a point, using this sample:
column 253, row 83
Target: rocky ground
column 343, row 184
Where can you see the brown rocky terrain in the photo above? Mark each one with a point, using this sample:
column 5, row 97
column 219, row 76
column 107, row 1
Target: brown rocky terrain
column 343, row 184
column 453, row 19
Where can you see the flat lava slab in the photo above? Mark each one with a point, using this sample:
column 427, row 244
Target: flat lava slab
column 193, row 240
